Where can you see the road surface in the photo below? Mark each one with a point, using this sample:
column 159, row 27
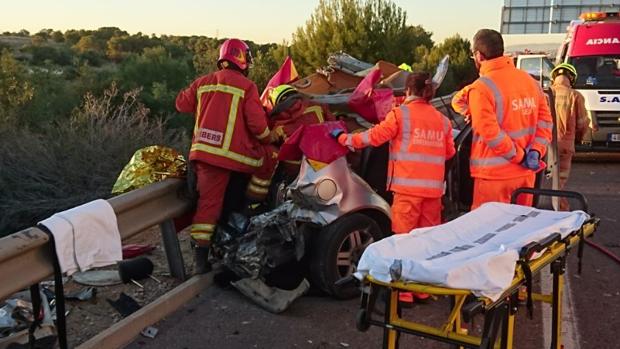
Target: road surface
column 222, row 318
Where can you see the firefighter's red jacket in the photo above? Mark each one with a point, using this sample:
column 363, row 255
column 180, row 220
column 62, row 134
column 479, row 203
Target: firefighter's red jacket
column 301, row 112
column 230, row 121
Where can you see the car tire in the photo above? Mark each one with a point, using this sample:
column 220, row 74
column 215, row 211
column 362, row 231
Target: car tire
column 336, row 251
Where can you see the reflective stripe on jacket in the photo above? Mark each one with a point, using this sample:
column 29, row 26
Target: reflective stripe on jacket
column 510, row 116
column 230, row 121
column 420, row 143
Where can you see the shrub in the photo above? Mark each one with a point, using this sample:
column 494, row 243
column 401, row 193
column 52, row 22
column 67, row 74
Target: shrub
column 64, row 165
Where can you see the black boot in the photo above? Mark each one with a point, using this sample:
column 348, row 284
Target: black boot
column 201, row 262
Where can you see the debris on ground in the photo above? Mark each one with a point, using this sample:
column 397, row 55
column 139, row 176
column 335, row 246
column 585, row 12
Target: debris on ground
column 82, row 295
column 135, row 250
column 16, row 316
column 97, row 278
column 149, row 332
column 125, row 305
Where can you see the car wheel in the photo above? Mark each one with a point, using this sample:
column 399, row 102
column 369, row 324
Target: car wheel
column 337, row 251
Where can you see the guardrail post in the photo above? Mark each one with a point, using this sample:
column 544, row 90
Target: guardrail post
column 173, row 250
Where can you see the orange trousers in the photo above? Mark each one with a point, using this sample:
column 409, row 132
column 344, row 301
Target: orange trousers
column 410, row 212
column 500, row 190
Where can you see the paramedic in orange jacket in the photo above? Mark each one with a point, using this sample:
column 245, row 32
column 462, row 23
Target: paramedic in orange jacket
column 230, row 135
column 511, row 124
column 292, row 110
column 420, row 143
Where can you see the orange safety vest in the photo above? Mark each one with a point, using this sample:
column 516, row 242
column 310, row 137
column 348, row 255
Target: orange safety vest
column 420, row 143
column 510, row 116
column 230, row 121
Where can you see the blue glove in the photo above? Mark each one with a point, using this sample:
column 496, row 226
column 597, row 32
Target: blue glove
column 335, row 133
column 532, row 160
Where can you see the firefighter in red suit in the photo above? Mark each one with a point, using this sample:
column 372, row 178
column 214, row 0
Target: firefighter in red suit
column 231, row 134
column 291, row 111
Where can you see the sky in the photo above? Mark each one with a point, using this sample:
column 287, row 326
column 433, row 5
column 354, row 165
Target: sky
column 261, row 21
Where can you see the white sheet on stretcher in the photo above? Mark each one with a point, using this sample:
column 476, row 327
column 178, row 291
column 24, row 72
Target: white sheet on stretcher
column 477, row 251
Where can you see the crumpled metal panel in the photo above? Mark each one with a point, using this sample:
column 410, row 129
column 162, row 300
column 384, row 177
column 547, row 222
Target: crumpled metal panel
column 271, row 239
column 353, row 192
column 277, row 237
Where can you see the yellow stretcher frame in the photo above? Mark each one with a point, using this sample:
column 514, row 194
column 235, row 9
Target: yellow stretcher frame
column 499, row 315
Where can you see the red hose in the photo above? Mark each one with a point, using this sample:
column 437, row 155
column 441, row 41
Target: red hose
column 605, row 251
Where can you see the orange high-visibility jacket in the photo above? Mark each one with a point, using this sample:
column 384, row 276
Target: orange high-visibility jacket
column 510, row 116
column 230, row 120
column 420, row 143
column 460, row 101
column 300, row 112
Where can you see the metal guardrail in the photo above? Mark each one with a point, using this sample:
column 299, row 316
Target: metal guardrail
column 25, row 258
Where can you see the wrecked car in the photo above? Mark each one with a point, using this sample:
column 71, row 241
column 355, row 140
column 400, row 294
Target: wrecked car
column 321, row 221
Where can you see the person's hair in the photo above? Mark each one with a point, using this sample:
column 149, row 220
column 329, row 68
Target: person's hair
column 489, row 43
column 420, row 85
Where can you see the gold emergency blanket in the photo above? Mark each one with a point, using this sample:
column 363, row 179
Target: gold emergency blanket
column 150, row 165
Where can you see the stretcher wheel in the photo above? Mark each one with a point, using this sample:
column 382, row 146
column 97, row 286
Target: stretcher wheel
column 361, row 320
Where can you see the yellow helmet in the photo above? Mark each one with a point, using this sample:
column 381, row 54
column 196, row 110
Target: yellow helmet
column 406, row 67
column 278, row 93
column 565, row 68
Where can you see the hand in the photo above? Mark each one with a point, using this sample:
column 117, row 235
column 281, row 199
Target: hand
column 335, row 133
column 532, row 160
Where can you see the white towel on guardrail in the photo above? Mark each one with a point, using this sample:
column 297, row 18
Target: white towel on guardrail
column 477, row 251
column 86, row 236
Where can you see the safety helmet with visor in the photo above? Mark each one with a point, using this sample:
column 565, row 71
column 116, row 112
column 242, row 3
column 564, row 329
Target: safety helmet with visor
column 280, row 93
column 235, row 51
column 565, row 69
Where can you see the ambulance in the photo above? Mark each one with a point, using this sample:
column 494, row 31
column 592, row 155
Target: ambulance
column 592, row 45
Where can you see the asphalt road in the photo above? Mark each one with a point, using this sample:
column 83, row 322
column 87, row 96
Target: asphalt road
column 222, row 318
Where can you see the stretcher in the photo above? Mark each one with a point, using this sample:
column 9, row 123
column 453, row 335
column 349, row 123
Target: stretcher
column 499, row 314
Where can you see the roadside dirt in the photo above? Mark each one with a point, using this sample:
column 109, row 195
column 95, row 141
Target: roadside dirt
column 88, row 318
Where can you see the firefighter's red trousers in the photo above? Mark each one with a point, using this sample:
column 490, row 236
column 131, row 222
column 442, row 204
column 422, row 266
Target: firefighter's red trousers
column 500, row 190
column 410, row 212
column 211, row 184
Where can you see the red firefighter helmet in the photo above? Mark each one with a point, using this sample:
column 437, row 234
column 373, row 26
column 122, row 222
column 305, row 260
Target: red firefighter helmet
column 236, row 52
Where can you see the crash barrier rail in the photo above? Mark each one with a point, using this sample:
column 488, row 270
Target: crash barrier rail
column 499, row 316
column 25, row 256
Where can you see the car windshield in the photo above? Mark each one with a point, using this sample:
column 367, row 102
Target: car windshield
column 597, row 72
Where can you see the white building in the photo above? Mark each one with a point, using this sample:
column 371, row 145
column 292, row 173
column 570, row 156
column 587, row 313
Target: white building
column 548, row 16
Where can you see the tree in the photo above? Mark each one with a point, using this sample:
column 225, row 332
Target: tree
column 87, row 43
column 72, row 36
column 367, row 29
column 206, row 52
column 15, row 89
column 158, row 74
column 462, row 70
column 45, row 34
column 57, row 36
column 263, row 69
